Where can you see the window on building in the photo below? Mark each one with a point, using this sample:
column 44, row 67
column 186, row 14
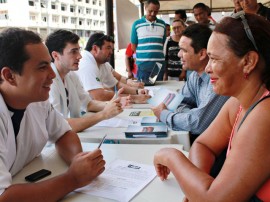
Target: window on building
column 72, row 9
column 80, row 10
column 88, row 10
column 73, row 20
column 53, row 6
column 99, row 3
column 55, row 19
column 101, row 13
column 80, row 33
column 3, row 15
column 87, row 1
column 3, row 1
column 32, row 17
column 64, row 20
column 87, row 33
column 31, row 3
column 89, row 22
column 95, row 23
column 43, row 5
column 94, row 12
column 44, row 18
column 63, row 7
column 94, row 2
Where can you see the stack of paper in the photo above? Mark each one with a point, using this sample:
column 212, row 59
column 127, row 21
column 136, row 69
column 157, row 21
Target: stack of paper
column 121, row 181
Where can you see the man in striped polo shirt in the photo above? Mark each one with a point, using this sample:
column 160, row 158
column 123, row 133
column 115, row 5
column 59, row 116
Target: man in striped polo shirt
column 148, row 35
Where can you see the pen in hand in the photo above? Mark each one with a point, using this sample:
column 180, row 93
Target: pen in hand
column 115, row 91
column 101, row 141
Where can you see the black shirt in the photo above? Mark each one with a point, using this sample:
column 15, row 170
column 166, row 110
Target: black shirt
column 16, row 118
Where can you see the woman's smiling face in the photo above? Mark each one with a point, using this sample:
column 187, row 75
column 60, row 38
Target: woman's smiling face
column 224, row 67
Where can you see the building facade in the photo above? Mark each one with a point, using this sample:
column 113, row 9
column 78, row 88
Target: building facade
column 44, row 16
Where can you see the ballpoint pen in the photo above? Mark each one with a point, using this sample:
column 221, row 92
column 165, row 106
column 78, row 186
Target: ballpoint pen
column 115, row 91
column 101, row 141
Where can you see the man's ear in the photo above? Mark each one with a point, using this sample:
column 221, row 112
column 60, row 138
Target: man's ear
column 94, row 49
column 55, row 55
column 203, row 54
column 8, row 75
column 250, row 61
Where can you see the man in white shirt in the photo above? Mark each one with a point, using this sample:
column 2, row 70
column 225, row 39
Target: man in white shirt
column 96, row 73
column 67, row 94
column 28, row 121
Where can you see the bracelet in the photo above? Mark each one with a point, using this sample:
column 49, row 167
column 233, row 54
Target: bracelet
column 137, row 91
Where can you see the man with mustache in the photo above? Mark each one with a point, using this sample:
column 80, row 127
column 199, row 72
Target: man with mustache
column 96, row 73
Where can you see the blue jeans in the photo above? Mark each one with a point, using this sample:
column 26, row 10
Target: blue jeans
column 144, row 74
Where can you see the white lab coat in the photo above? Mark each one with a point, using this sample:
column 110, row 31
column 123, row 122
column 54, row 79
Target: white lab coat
column 39, row 124
column 93, row 76
column 78, row 97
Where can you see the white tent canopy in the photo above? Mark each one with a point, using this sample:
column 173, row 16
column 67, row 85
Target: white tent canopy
column 169, row 6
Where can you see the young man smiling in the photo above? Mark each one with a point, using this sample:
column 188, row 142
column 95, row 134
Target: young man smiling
column 28, row 121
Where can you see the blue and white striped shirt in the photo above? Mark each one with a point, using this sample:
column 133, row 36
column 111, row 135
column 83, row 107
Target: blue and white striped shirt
column 199, row 107
column 150, row 38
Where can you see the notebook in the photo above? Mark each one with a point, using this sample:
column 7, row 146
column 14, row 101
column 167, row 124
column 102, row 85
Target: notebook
column 153, row 76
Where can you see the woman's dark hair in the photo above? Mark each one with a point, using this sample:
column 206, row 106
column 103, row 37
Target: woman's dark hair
column 12, row 48
column 240, row 44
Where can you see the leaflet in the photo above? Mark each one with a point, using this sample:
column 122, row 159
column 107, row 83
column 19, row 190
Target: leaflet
column 171, row 99
column 121, row 181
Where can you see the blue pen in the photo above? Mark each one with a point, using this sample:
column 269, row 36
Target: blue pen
column 115, row 91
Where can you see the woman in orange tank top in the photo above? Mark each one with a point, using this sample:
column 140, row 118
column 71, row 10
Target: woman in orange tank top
column 239, row 66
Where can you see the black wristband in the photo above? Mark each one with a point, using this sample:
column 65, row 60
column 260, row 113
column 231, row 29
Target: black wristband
column 137, row 91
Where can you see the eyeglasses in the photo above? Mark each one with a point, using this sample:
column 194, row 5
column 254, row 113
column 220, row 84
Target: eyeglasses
column 241, row 14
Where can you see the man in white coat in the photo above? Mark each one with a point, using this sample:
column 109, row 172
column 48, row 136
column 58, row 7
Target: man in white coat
column 28, row 121
column 97, row 75
column 67, row 94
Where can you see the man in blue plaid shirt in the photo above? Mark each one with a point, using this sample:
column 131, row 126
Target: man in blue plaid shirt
column 200, row 104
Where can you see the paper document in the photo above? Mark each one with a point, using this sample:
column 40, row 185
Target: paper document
column 121, row 181
column 119, row 122
column 171, row 99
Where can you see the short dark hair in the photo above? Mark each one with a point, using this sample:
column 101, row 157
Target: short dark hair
column 182, row 13
column 12, row 48
column 240, row 44
column 58, row 40
column 199, row 34
column 202, row 6
column 97, row 39
column 155, row 2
